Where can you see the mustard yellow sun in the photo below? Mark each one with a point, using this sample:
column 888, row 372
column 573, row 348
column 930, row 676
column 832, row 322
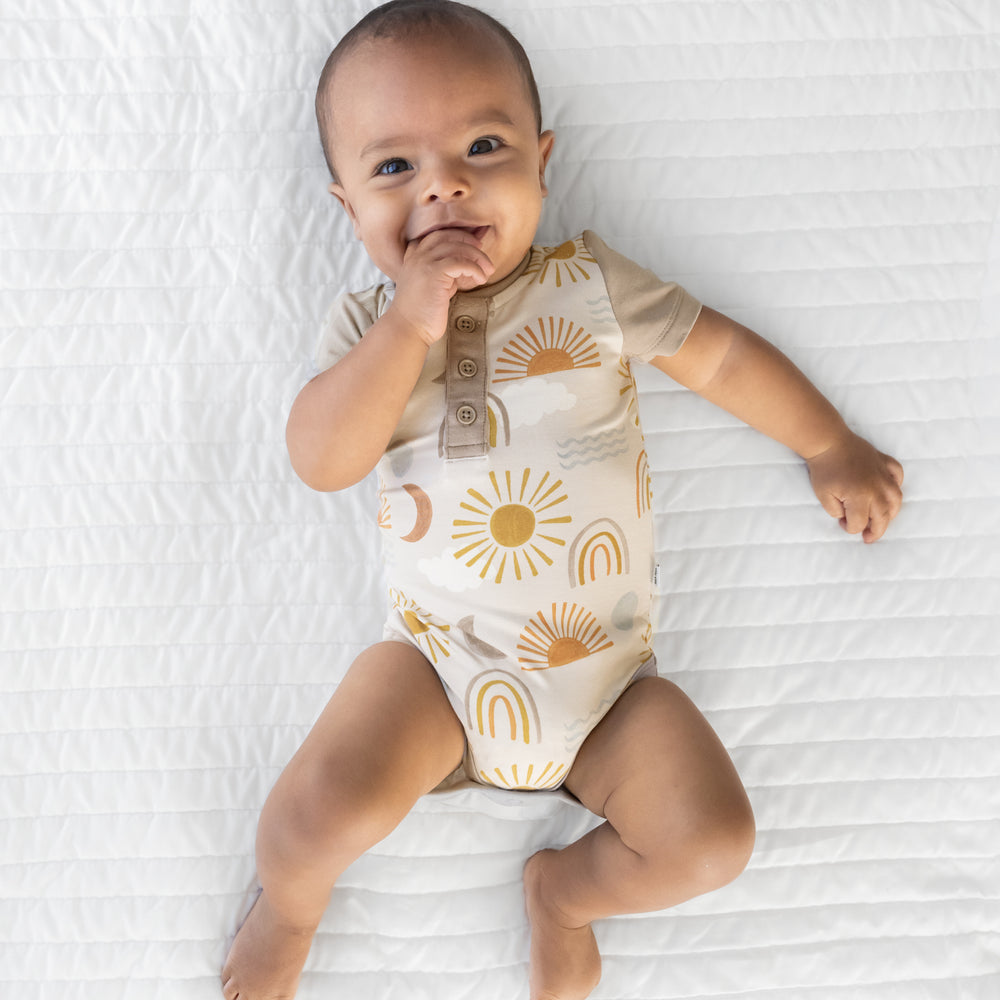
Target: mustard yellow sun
column 568, row 634
column 430, row 635
column 513, row 528
column 569, row 261
column 553, row 345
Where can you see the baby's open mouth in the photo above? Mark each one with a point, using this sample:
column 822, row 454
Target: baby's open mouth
column 476, row 231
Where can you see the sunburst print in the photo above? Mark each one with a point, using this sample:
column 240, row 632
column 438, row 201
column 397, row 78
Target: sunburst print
column 629, row 388
column 430, row 635
column 569, row 261
column 568, row 634
column 512, row 530
column 558, row 345
column 544, row 777
column 647, row 638
column 384, row 520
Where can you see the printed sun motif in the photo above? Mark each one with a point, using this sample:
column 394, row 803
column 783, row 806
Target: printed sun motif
column 629, row 389
column 545, row 778
column 384, row 518
column 568, row 260
column 429, row 635
column 513, row 528
column 550, row 348
column 569, row 634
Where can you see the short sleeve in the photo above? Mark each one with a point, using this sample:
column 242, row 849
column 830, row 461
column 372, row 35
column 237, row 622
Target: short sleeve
column 655, row 316
column 346, row 322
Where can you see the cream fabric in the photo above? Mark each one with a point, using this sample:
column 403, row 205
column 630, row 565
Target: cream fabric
column 515, row 500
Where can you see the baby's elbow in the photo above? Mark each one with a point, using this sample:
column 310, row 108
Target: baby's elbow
column 325, row 458
column 322, row 476
column 309, row 462
column 315, row 480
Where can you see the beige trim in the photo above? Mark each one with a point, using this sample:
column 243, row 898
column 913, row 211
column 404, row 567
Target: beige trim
column 655, row 316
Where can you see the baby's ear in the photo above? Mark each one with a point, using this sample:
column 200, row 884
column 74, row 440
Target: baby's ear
column 341, row 195
column 545, row 143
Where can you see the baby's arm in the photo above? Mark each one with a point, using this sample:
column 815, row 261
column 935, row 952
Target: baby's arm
column 341, row 422
column 732, row 367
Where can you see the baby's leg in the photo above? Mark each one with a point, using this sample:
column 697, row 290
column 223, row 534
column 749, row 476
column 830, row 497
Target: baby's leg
column 387, row 736
column 679, row 824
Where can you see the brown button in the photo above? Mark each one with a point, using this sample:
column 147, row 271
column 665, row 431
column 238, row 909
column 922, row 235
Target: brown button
column 467, row 368
column 466, row 415
column 465, row 324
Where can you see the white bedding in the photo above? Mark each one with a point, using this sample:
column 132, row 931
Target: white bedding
column 175, row 607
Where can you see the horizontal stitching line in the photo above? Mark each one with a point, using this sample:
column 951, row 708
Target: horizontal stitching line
column 176, row 645
column 860, row 40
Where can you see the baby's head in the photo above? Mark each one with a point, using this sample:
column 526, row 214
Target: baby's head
column 429, row 116
column 403, row 20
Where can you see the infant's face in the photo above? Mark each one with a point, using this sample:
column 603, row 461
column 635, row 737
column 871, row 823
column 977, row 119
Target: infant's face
column 430, row 134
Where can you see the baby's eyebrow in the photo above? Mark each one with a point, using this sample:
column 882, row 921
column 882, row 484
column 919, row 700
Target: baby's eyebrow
column 484, row 120
column 379, row 146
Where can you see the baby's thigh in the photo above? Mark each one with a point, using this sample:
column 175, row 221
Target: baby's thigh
column 388, row 729
column 654, row 762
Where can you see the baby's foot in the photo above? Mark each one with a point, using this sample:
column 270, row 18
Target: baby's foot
column 565, row 963
column 266, row 959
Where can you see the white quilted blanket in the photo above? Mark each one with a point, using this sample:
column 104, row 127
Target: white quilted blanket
column 175, row 607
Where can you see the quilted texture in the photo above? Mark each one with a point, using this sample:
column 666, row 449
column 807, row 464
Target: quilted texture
column 175, row 607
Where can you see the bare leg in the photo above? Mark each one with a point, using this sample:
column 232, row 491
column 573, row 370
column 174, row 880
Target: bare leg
column 387, row 736
column 679, row 824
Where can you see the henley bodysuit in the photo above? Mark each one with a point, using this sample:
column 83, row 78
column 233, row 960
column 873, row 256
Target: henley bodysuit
column 514, row 500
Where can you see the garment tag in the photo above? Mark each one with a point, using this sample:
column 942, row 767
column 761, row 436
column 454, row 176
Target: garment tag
column 656, row 575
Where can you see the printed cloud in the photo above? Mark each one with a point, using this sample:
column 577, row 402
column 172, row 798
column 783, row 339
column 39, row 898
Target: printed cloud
column 530, row 399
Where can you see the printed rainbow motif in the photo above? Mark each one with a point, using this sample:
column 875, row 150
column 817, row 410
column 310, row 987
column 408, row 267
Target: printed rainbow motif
column 498, row 704
column 599, row 551
column 499, row 420
column 643, row 484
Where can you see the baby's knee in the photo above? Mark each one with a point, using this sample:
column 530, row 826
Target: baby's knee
column 723, row 851
column 716, row 849
column 322, row 802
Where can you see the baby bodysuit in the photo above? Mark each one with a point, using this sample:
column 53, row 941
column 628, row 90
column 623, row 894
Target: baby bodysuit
column 514, row 500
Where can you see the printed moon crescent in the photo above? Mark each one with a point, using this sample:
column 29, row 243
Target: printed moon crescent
column 424, row 512
column 466, row 625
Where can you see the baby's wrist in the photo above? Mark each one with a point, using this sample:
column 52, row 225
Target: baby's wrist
column 838, row 437
column 415, row 327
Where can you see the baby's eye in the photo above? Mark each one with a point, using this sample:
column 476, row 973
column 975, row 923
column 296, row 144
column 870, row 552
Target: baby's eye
column 395, row 166
column 485, row 145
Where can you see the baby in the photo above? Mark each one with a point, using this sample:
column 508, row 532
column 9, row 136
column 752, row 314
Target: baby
column 490, row 384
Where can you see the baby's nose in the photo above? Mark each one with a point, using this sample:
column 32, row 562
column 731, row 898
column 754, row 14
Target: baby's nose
column 445, row 182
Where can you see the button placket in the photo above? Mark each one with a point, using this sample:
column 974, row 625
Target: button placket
column 466, row 426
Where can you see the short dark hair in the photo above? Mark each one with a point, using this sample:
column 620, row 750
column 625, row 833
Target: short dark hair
column 407, row 18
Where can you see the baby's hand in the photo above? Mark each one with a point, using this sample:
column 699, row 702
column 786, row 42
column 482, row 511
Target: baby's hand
column 858, row 485
column 434, row 268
